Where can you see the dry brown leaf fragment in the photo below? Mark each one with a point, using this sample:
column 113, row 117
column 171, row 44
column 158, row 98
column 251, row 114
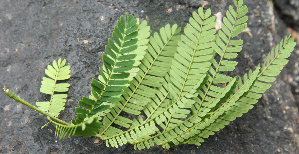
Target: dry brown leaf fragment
column 97, row 141
column 218, row 20
column 204, row 4
column 248, row 31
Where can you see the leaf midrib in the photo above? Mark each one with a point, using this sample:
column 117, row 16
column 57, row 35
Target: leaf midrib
column 54, row 86
column 187, row 74
column 217, row 69
column 120, row 109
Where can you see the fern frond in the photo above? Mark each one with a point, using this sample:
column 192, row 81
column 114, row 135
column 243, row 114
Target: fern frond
column 276, row 59
column 195, row 123
column 131, row 135
column 216, row 119
column 177, row 90
column 158, row 103
column 227, row 49
column 271, row 68
column 233, row 24
column 61, row 131
column 86, row 128
column 57, row 72
column 194, row 52
column 148, row 128
column 155, row 64
column 223, row 46
column 204, row 116
column 169, row 115
column 123, row 55
column 179, row 126
column 192, row 60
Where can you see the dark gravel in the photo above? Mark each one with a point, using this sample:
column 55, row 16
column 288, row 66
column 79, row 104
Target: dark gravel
column 35, row 32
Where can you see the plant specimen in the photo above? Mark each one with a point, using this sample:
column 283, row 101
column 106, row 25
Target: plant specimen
column 167, row 88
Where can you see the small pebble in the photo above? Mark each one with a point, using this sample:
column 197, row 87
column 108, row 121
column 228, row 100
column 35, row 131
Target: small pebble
column 85, row 41
column 290, row 79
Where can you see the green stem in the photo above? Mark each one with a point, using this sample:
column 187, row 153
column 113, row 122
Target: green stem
column 18, row 99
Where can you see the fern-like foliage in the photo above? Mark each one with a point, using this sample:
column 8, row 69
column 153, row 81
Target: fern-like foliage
column 120, row 66
column 57, row 72
column 154, row 66
column 168, row 89
column 174, row 123
column 237, row 106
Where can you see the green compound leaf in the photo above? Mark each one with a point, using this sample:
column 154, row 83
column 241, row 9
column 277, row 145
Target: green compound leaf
column 168, row 89
column 120, row 66
column 86, row 128
column 248, row 96
column 154, row 66
column 57, row 72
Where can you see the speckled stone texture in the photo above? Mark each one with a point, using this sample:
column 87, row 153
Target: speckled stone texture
column 288, row 10
column 35, row 32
